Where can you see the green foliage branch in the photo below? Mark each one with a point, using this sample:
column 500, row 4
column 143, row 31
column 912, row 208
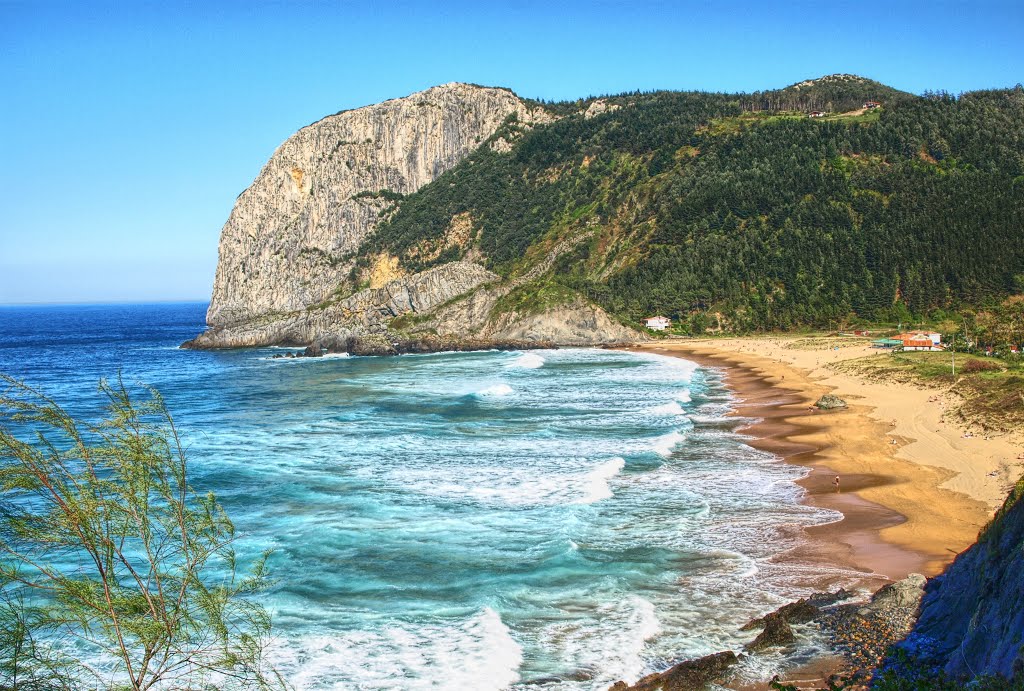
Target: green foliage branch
column 114, row 572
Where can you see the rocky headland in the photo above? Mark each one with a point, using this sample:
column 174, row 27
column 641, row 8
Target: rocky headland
column 294, row 267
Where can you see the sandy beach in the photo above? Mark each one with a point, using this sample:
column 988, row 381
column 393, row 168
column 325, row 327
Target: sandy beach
column 914, row 490
column 911, row 505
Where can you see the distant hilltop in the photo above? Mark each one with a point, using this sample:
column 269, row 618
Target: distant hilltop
column 465, row 215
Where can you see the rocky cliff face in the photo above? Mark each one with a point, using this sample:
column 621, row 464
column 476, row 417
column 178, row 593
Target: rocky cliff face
column 362, row 316
column 972, row 616
column 287, row 252
column 292, row 234
column 479, row 313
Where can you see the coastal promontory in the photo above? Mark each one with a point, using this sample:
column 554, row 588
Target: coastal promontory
column 293, row 267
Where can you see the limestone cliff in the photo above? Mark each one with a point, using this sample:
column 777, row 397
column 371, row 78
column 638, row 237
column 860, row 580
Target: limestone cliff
column 288, row 254
column 292, row 234
column 363, row 315
column 481, row 314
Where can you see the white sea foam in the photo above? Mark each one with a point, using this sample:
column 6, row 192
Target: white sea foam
column 611, row 645
column 702, row 513
column 528, row 361
column 584, row 483
column 674, row 368
column 325, row 356
column 540, row 492
column 479, row 653
column 665, row 444
column 596, row 486
column 495, row 390
column 670, row 408
column 448, row 353
column 683, row 396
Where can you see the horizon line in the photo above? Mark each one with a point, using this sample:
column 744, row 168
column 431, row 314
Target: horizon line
column 106, row 303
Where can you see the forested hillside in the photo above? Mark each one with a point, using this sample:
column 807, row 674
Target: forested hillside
column 740, row 210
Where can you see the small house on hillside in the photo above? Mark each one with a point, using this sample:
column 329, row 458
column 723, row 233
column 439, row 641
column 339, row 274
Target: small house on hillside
column 871, row 105
column 657, row 323
column 921, row 340
column 919, row 344
column 916, row 340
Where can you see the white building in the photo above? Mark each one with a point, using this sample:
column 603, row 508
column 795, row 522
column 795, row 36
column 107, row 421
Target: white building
column 657, row 323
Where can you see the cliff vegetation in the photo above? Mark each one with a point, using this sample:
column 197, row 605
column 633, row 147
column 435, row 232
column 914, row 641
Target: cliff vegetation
column 744, row 207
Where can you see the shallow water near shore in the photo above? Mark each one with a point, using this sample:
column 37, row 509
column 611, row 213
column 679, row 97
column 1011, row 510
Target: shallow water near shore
column 556, row 519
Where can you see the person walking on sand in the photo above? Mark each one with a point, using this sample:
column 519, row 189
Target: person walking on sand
column 835, row 483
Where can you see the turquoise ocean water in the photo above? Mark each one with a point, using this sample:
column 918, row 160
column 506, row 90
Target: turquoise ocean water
column 554, row 519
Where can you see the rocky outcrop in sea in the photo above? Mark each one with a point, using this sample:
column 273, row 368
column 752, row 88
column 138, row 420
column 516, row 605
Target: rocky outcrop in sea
column 858, row 632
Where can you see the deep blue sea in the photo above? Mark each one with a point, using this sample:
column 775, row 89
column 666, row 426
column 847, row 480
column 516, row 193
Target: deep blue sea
column 556, row 519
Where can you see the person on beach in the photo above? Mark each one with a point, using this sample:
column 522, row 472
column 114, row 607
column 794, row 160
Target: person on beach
column 835, row 483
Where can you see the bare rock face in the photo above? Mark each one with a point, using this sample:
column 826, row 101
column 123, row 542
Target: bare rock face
column 287, row 252
column 357, row 317
column 292, row 235
column 578, row 323
column 575, row 323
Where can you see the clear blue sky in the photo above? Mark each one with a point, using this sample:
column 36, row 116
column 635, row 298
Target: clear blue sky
column 128, row 129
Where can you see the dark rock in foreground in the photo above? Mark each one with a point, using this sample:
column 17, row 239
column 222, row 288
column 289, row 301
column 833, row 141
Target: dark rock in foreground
column 686, row 676
column 863, row 633
column 778, row 631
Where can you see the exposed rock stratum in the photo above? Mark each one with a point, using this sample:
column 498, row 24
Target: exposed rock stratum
column 289, row 272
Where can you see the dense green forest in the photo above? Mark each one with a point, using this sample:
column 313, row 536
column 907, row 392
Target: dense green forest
column 742, row 211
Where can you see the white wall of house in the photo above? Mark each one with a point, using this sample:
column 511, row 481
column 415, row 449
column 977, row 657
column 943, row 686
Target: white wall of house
column 657, row 323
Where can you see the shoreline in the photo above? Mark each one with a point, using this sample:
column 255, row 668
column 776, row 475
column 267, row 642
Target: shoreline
column 904, row 506
column 784, row 426
column 935, row 488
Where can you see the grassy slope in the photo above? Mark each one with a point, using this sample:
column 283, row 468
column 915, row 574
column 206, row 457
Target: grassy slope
column 990, row 390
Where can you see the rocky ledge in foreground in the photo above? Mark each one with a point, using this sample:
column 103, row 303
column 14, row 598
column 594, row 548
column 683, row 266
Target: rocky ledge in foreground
column 686, row 676
column 859, row 633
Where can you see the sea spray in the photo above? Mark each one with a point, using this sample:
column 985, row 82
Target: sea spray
column 596, row 485
column 528, row 361
column 479, row 653
column 666, row 443
column 611, row 646
column 669, row 409
column 495, row 390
